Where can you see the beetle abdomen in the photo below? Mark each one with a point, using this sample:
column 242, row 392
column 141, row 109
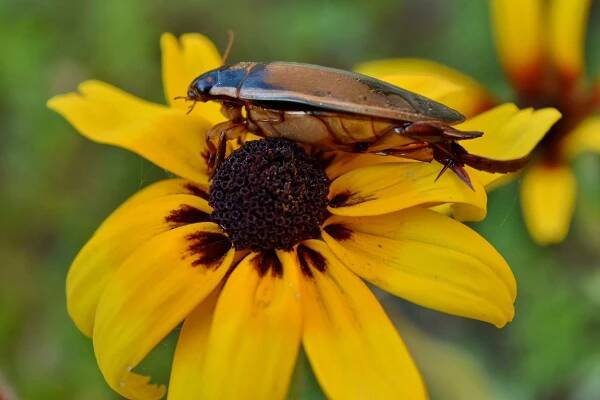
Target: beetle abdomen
column 338, row 90
column 325, row 129
column 300, row 127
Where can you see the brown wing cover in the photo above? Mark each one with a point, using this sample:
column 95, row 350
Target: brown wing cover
column 341, row 91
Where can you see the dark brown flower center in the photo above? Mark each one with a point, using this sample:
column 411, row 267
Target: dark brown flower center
column 269, row 194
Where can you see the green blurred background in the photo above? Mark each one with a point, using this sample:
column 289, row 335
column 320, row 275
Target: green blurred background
column 56, row 187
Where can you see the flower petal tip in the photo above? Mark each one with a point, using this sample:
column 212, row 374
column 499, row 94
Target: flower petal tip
column 429, row 259
column 136, row 386
column 53, row 103
column 548, row 195
column 550, row 114
column 166, row 36
column 501, row 324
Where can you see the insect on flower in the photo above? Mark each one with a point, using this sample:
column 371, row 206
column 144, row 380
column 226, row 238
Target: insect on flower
column 268, row 256
column 334, row 109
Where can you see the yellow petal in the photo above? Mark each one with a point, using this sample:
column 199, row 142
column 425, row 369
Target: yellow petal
column 167, row 137
column 519, row 30
column 159, row 189
column 429, row 259
column 509, row 133
column 182, row 61
column 567, row 21
column 255, row 332
column 548, row 201
column 134, row 223
column 433, row 87
column 352, row 346
column 385, row 188
column 470, row 99
column 345, row 162
column 155, row 288
column 585, row 137
column 191, row 349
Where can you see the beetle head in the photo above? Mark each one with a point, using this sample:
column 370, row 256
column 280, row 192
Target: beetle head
column 199, row 89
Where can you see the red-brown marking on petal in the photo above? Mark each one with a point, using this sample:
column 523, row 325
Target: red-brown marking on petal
column 196, row 191
column 268, row 261
column 308, row 258
column 339, row 200
column 347, row 199
column 529, row 80
column 484, row 105
column 338, row 231
column 186, row 214
column 574, row 108
column 209, row 248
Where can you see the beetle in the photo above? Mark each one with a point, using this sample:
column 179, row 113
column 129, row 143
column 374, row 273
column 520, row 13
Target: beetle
column 334, row 109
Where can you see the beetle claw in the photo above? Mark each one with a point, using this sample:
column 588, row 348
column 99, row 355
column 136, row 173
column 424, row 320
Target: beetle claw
column 439, row 175
column 459, row 170
column 450, row 154
column 462, row 174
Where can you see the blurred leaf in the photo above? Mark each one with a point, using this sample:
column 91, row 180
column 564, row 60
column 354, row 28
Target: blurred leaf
column 304, row 385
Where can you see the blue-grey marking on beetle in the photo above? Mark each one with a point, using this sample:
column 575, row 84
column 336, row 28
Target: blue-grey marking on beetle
column 336, row 110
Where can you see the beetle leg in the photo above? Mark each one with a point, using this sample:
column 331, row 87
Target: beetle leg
column 220, row 153
column 450, row 155
column 213, row 133
column 433, row 132
column 221, row 133
column 216, row 154
column 460, row 171
column 439, row 175
column 232, row 111
column 389, row 143
column 490, row 165
column 232, row 130
column 419, row 151
column 454, row 156
column 439, row 142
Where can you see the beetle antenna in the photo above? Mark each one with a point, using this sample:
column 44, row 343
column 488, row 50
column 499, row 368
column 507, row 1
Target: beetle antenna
column 186, row 98
column 230, row 37
column 191, row 107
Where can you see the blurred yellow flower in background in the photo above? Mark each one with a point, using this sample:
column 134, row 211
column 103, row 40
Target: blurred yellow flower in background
column 161, row 259
column 540, row 44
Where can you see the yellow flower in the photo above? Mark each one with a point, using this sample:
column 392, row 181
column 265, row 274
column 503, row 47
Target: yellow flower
column 248, row 298
column 540, row 44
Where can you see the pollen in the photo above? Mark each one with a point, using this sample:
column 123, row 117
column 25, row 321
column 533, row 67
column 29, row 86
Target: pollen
column 269, row 194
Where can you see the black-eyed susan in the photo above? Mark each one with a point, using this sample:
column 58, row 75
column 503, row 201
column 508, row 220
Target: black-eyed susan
column 269, row 254
column 540, row 44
